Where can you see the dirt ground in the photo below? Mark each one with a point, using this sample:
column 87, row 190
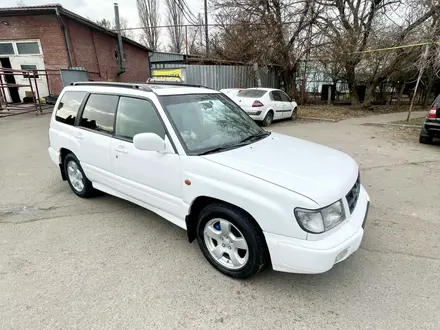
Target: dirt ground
column 105, row 263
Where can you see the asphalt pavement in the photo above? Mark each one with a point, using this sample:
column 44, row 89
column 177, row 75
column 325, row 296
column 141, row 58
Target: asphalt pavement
column 104, row 263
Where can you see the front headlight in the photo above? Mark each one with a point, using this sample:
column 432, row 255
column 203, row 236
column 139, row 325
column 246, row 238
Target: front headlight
column 319, row 221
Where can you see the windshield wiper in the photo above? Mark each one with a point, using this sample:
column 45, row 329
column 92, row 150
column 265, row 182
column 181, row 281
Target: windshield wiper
column 255, row 137
column 245, row 141
column 218, row 149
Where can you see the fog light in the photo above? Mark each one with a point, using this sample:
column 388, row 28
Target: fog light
column 341, row 255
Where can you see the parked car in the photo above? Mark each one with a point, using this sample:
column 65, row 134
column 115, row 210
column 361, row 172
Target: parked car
column 267, row 104
column 431, row 126
column 249, row 197
column 231, row 92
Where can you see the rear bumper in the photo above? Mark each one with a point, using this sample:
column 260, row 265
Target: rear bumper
column 54, row 155
column 313, row 257
column 431, row 128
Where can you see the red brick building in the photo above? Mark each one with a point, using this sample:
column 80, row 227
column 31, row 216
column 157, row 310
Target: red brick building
column 51, row 37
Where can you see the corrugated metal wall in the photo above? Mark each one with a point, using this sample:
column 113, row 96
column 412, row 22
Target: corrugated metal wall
column 224, row 76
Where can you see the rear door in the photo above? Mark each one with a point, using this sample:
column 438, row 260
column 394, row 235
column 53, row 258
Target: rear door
column 287, row 105
column 92, row 135
column 277, row 104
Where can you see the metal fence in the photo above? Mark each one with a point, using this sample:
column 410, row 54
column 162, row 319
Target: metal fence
column 224, row 76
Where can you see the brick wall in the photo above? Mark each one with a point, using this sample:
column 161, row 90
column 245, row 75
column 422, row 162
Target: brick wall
column 91, row 48
column 95, row 51
column 47, row 29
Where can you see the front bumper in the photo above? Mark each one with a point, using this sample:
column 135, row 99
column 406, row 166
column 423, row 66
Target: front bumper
column 318, row 256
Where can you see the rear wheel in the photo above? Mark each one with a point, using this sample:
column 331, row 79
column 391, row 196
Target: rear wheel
column 267, row 121
column 231, row 241
column 76, row 178
column 425, row 139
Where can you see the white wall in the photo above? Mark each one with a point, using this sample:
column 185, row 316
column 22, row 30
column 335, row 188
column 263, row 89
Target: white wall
column 17, row 60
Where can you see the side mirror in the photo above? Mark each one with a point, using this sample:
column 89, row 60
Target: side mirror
column 149, row 142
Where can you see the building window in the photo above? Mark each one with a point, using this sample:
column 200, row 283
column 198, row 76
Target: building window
column 28, row 48
column 6, row 49
column 29, row 67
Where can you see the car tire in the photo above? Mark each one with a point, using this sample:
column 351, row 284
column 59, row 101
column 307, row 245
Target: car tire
column 294, row 115
column 425, row 139
column 268, row 119
column 76, row 177
column 222, row 226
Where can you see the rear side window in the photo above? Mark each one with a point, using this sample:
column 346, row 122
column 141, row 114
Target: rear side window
column 276, row 96
column 99, row 113
column 252, row 93
column 68, row 107
column 137, row 116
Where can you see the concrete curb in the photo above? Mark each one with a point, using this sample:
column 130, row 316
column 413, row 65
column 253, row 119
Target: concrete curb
column 392, row 125
column 318, row 119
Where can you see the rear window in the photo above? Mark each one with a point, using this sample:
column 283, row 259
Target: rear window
column 252, row 93
column 68, row 107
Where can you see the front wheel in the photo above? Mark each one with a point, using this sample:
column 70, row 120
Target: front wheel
column 231, row 241
column 294, row 115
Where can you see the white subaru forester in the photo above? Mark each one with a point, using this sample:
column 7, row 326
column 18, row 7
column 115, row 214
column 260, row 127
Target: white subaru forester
column 194, row 157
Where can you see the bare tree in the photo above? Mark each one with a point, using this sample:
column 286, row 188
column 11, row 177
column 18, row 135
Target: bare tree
column 105, row 23
column 148, row 11
column 174, row 18
column 21, row 3
column 267, row 32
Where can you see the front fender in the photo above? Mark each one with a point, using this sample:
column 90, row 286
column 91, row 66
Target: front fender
column 270, row 205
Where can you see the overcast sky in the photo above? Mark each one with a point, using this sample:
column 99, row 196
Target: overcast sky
column 98, row 9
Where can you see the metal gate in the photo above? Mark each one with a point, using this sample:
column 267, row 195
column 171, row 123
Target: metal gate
column 69, row 76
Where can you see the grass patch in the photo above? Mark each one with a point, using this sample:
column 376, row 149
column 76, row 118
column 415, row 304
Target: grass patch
column 412, row 121
column 340, row 112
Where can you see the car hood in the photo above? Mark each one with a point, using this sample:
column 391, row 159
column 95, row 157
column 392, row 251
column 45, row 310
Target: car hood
column 322, row 174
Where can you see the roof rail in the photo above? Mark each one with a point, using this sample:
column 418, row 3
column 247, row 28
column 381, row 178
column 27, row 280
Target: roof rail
column 173, row 83
column 112, row 84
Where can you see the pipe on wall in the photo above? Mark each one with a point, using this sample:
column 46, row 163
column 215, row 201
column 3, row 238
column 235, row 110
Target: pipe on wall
column 66, row 37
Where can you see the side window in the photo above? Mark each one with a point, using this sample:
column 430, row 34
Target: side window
column 137, row 116
column 68, row 106
column 277, row 96
column 99, row 113
column 285, row 97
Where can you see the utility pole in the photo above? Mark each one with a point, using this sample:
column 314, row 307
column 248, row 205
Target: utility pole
column 422, row 68
column 120, row 47
column 206, row 28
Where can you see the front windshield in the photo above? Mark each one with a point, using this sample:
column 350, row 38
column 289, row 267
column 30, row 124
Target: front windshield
column 209, row 121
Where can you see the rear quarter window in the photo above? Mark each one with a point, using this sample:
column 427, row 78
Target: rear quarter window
column 252, row 93
column 67, row 109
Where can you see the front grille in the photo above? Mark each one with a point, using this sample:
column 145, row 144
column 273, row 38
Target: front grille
column 353, row 194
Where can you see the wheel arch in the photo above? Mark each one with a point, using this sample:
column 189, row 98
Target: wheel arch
column 198, row 205
column 63, row 153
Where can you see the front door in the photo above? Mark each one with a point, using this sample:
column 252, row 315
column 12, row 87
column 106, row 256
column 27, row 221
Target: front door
column 278, row 105
column 91, row 137
column 150, row 177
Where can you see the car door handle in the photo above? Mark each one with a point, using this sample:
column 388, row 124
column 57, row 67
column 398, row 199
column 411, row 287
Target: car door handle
column 121, row 150
column 79, row 136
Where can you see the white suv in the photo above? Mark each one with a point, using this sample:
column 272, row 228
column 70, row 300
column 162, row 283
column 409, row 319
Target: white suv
column 191, row 155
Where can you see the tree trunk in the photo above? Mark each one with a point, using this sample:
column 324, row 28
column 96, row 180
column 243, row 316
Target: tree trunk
column 352, row 85
column 399, row 97
column 289, row 79
column 428, row 89
column 369, row 95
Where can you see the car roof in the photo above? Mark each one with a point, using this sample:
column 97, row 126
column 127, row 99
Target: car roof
column 263, row 89
column 136, row 89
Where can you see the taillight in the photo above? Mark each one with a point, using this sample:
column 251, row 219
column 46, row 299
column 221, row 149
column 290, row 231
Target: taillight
column 432, row 113
column 257, row 104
